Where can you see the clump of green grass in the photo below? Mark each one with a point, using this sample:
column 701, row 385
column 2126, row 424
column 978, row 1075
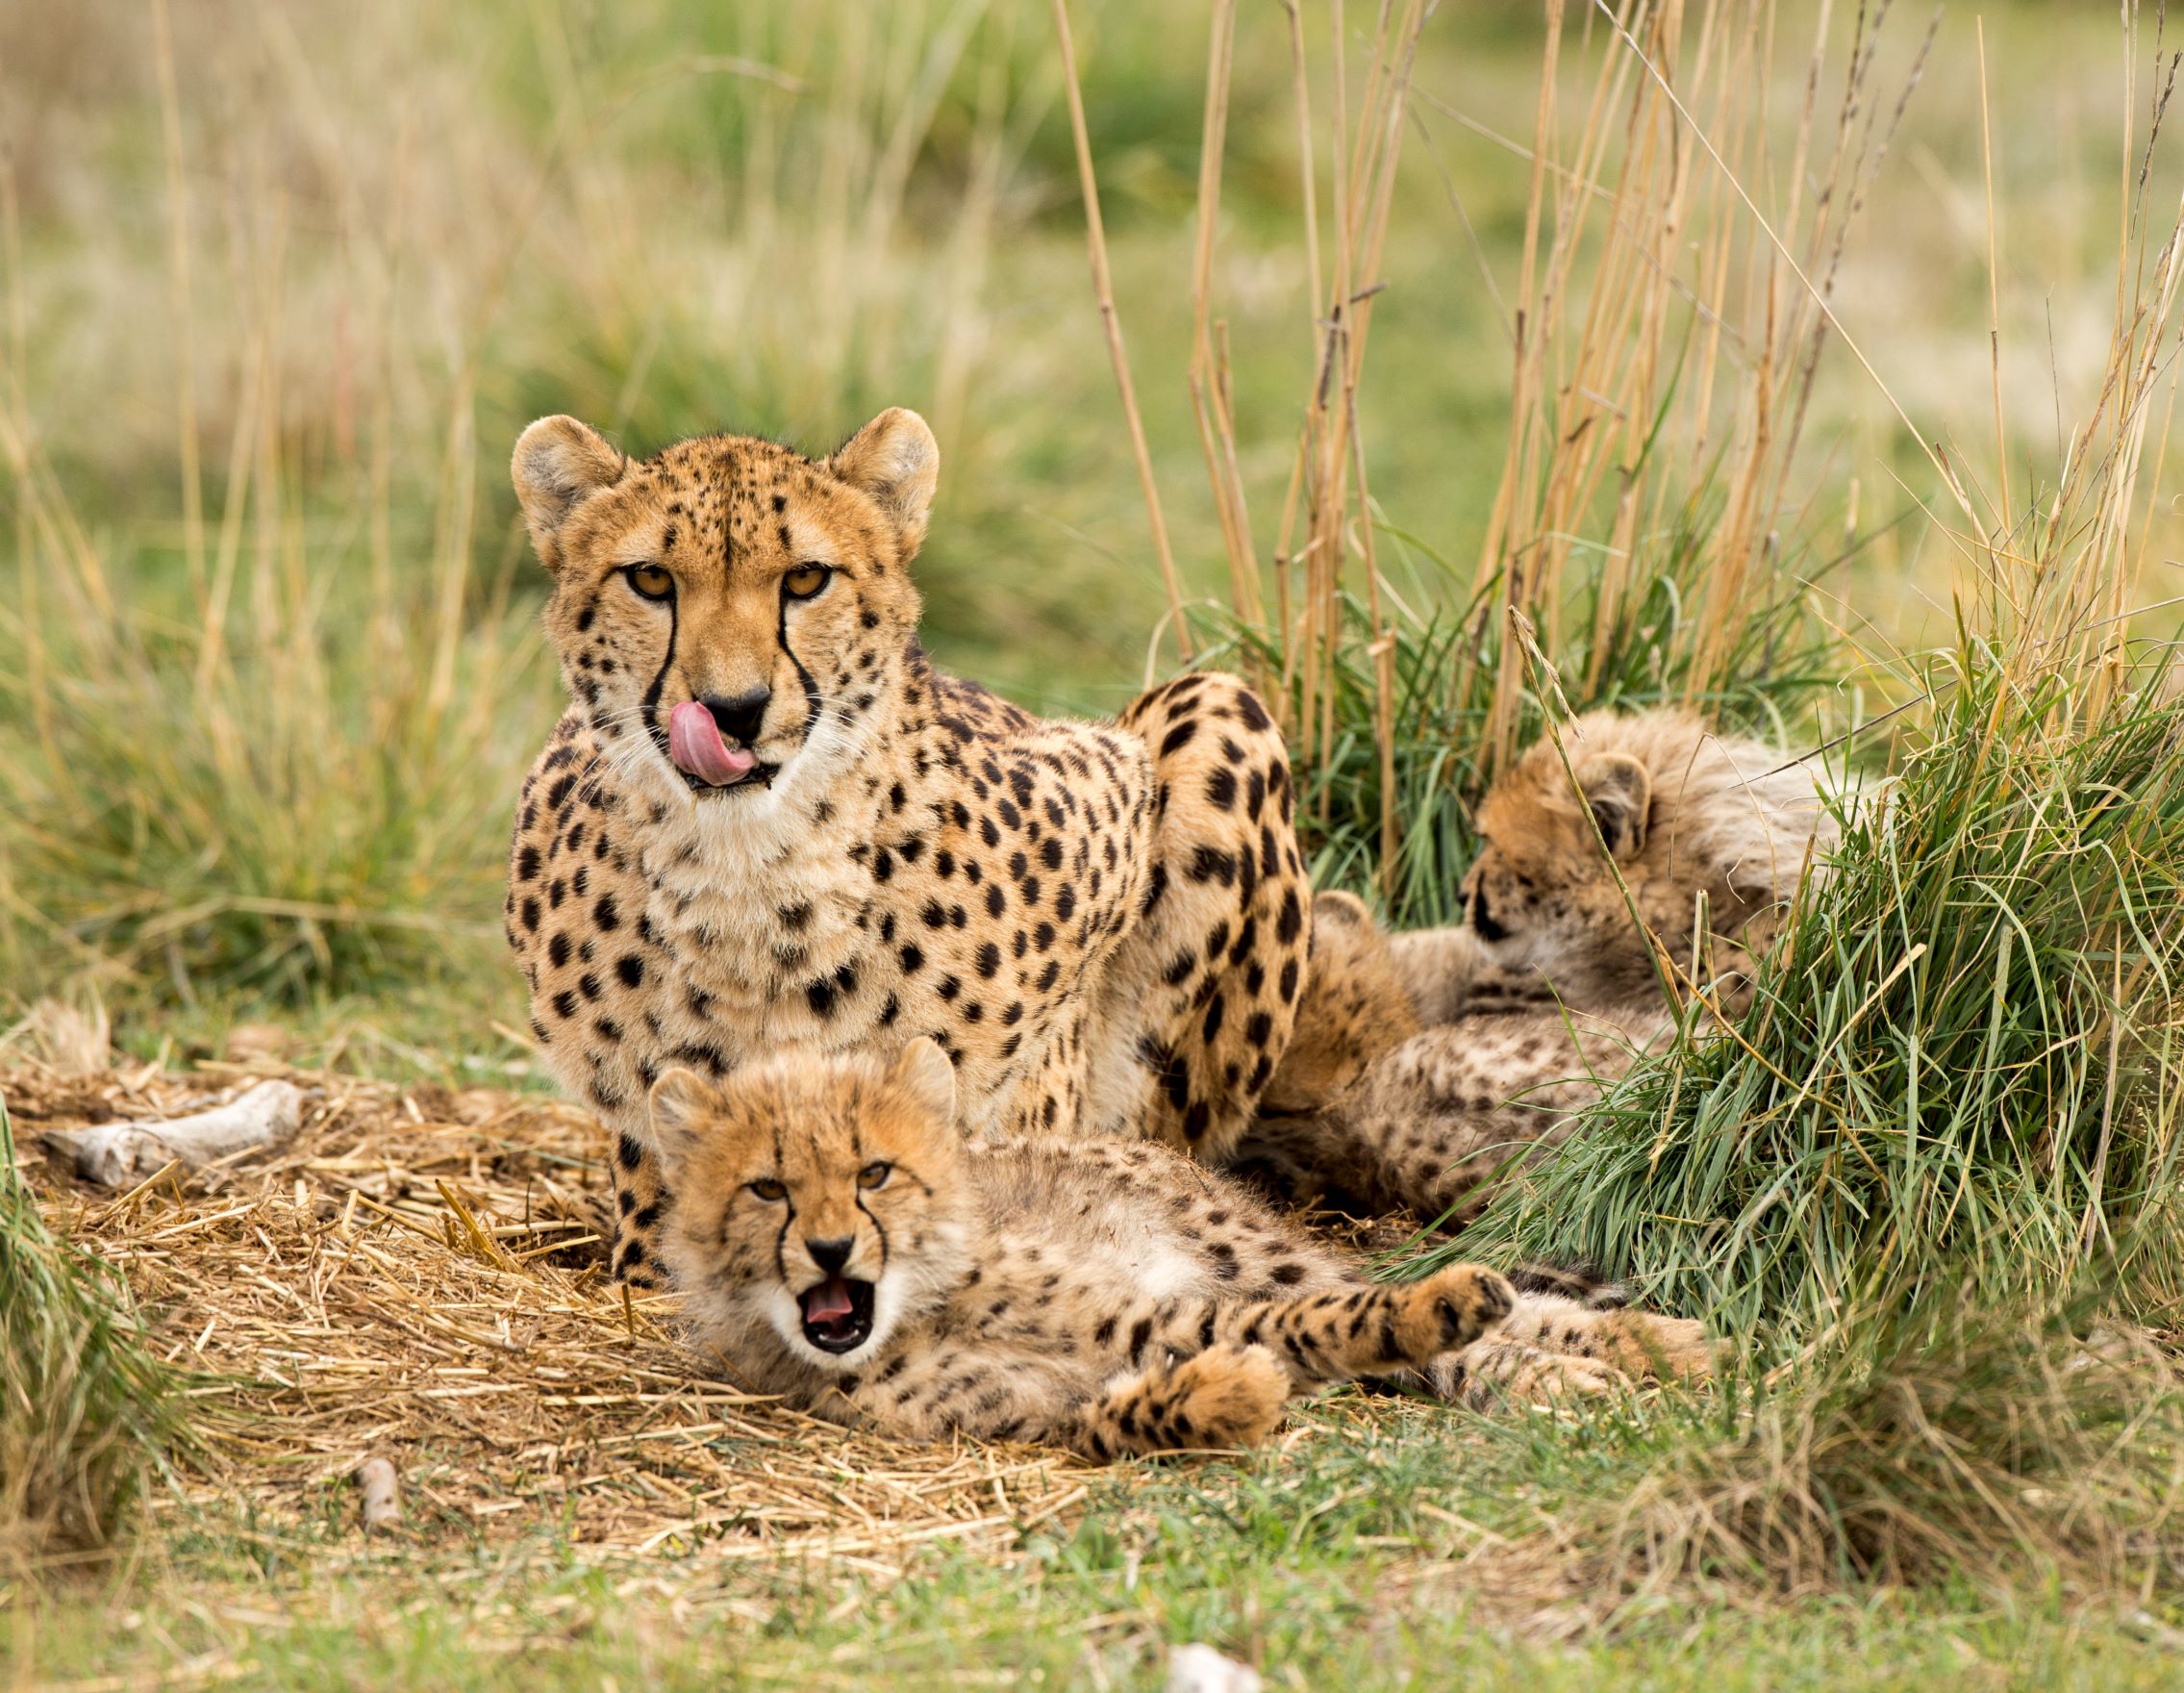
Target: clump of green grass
column 1964, row 1060
column 277, row 812
column 1936, row 1436
column 87, row 1417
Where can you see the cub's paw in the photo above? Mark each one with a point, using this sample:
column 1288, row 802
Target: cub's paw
column 1546, row 1379
column 1227, row 1395
column 1655, row 1349
column 1449, row 1310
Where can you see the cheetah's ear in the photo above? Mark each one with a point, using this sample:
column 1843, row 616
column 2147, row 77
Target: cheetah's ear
column 922, row 1072
column 558, row 462
column 896, row 461
column 1620, row 792
column 682, row 1102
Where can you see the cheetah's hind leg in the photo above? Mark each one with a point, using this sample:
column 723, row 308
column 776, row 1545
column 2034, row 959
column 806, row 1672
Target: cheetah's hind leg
column 1197, row 1004
column 1550, row 1346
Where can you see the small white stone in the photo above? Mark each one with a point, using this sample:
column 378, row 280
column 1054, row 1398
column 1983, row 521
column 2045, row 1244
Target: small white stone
column 1196, row 1668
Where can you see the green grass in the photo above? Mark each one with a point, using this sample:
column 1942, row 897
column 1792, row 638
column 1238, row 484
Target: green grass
column 1343, row 1561
column 88, row 1419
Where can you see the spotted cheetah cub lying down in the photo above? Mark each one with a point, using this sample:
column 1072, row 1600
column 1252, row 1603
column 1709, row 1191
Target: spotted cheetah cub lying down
column 838, row 1242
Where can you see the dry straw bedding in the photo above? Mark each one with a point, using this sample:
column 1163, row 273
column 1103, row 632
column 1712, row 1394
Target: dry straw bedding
column 416, row 1276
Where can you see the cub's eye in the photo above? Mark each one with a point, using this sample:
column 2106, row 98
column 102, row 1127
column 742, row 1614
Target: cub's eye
column 770, row 1191
column 650, row 581
column 805, row 580
column 875, row 1174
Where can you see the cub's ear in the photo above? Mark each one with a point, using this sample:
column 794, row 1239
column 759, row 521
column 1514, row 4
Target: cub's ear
column 558, row 463
column 682, row 1102
column 1340, row 910
column 896, row 461
column 922, row 1072
column 1620, row 793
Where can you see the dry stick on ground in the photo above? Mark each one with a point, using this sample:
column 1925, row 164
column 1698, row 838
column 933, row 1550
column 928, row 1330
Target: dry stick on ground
column 1103, row 287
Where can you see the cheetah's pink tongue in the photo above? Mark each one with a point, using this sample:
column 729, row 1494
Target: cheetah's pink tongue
column 694, row 742
column 829, row 1302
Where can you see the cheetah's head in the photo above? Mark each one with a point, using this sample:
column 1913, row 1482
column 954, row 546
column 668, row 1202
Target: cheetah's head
column 1708, row 834
column 816, row 1198
column 728, row 612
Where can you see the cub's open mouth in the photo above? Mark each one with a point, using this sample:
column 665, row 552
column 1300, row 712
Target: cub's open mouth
column 837, row 1314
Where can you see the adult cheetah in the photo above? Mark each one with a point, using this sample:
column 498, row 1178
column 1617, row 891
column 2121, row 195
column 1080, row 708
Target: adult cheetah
column 769, row 822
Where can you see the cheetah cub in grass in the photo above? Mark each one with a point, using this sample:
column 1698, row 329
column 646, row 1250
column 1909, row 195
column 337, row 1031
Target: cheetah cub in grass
column 1425, row 1064
column 838, row 1242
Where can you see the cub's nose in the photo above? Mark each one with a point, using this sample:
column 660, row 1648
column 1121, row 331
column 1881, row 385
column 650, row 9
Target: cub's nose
column 830, row 1255
column 738, row 718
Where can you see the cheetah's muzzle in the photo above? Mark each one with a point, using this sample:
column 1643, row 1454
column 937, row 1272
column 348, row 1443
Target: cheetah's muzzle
column 695, row 744
column 837, row 1314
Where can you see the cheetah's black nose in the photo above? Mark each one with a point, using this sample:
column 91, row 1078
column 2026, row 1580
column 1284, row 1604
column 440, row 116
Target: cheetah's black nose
column 739, row 718
column 830, row 1255
column 1482, row 921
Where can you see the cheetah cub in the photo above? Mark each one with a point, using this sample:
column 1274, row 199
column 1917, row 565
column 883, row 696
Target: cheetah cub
column 838, row 1242
column 1426, row 1064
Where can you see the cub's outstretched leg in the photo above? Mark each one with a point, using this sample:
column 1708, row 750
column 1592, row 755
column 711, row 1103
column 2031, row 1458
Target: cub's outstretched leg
column 1227, row 1395
column 1235, row 1363
column 1378, row 1328
column 1196, row 1007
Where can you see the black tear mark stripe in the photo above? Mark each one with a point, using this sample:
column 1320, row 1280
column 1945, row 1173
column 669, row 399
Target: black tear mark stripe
column 789, row 1216
column 857, row 1193
column 781, row 1245
column 651, row 708
column 878, row 1227
column 811, row 687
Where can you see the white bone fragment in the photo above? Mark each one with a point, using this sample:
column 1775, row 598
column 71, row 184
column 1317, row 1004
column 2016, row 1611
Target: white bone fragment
column 382, row 1499
column 117, row 1155
column 1197, row 1668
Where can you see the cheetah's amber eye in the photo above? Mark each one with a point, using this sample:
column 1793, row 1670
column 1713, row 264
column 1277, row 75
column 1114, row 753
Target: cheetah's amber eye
column 805, row 581
column 875, row 1174
column 770, row 1191
column 650, row 581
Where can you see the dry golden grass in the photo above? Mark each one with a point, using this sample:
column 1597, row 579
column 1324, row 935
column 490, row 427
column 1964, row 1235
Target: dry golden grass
column 415, row 1277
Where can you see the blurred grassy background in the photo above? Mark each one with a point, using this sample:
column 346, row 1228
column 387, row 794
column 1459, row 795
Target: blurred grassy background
column 282, row 284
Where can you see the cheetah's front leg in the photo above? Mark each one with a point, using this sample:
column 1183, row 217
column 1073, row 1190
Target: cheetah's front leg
column 1227, row 1395
column 640, row 1200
